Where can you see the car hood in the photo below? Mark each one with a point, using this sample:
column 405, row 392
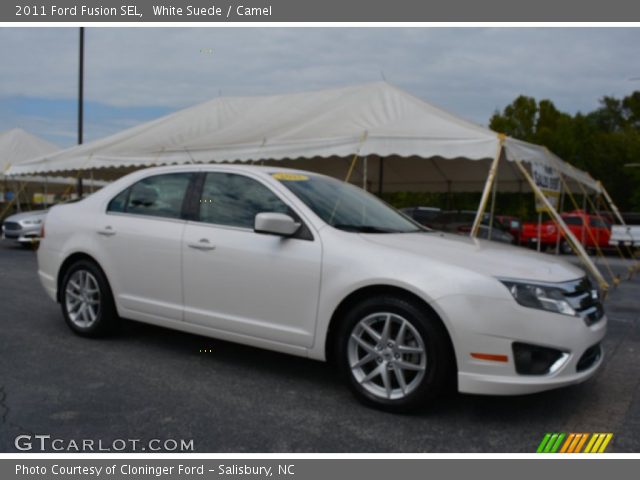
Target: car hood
column 18, row 217
column 481, row 256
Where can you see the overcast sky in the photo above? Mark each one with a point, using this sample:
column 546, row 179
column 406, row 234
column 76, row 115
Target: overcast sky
column 136, row 74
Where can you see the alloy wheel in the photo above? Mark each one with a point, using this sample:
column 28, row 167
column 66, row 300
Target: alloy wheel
column 387, row 355
column 82, row 299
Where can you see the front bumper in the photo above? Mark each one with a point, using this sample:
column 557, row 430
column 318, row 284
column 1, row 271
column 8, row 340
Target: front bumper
column 491, row 326
column 22, row 235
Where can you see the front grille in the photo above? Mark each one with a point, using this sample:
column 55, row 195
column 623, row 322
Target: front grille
column 12, row 226
column 584, row 299
column 589, row 357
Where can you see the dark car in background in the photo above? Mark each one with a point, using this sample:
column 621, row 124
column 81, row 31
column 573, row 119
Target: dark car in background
column 511, row 224
column 460, row 222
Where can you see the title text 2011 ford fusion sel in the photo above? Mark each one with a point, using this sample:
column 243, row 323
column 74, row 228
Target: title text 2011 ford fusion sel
column 304, row 264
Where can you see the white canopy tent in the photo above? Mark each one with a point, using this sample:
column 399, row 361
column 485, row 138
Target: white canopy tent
column 406, row 143
column 18, row 146
column 374, row 118
column 326, row 127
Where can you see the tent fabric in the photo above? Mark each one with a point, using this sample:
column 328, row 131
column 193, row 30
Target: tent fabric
column 17, row 146
column 424, row 147
column 374, row 118
column 530, row 153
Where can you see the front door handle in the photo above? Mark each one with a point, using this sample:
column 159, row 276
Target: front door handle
column 108, row 231
column 203, row 244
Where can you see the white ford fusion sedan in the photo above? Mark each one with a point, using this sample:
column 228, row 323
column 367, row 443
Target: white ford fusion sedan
column 304, row 264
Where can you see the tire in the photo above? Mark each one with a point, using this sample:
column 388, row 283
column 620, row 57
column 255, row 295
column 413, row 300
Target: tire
column 424, row 359
column 84, row 283
column 565, row 248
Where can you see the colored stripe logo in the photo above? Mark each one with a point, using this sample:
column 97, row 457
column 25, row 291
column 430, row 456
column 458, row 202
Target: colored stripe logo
column 574, row 443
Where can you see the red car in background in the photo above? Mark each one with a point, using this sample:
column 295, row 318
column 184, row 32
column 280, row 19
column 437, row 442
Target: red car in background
column 588, row 229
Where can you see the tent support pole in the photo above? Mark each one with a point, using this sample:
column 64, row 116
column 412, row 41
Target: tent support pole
column 596, row 212
column 487, row 188
column 538, row 247
column 608, row 201
column 380, row 176
column 18, row 191
column 562, row 192
column 612, row 205
column 365, row 173
column 573, row 241
column 80, row 99
column 584, row 210
column 494, row 192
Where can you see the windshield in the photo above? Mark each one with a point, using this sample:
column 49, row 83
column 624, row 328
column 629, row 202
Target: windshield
column 346, row 207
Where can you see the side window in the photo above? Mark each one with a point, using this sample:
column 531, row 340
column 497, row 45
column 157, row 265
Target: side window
column 157, row 196
column 235, row 200
column 596, row 222
column 119, row 202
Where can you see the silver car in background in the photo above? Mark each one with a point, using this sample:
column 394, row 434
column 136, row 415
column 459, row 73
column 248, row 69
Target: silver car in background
column 24, row 227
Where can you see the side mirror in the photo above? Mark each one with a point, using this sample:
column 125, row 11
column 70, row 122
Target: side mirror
column 275, row 224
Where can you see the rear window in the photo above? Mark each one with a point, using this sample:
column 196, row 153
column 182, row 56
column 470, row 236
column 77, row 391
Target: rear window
column 157, row 196
column 598, row 223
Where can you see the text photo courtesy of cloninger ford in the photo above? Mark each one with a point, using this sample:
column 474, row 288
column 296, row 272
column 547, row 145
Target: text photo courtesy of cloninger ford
column 319, row 240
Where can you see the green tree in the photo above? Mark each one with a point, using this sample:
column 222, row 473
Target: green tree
column 600, row 142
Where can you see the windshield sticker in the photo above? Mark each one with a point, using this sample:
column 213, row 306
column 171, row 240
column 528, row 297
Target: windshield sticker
column 290, row 177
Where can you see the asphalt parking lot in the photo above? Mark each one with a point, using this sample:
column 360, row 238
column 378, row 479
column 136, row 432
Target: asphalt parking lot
column 151, row 383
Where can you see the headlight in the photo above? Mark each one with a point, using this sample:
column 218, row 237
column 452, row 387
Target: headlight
column 542, row 297
column 32, row 222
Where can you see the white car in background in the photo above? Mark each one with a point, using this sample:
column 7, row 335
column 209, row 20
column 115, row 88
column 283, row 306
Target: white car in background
column 24, row 227
column 625, row 236
column 304, row 264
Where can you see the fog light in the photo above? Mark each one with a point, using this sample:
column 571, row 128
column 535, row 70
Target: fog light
column 536, row 360
column 589, row 357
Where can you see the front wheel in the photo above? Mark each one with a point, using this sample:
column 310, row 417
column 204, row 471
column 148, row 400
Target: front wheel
column 86, row 300
column 394, row 355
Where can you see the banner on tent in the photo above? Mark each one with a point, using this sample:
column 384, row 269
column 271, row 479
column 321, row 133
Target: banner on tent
column 548, row 180
column 40, row 198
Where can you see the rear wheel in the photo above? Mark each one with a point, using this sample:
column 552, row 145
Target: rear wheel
column 86, row 300
column 394, row 355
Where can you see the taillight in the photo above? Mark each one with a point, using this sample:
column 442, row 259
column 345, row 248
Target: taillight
column 42, row 231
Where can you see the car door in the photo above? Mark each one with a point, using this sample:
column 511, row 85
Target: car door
column 140, row 240
column 601, row 232
column 246, row 283
column 576, row 225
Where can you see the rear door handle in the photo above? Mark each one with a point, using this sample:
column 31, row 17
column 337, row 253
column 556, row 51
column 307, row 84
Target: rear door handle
column 108, row 231
column 203, row 244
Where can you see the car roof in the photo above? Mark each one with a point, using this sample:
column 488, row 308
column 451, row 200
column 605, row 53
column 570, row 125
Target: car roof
column 190, row 167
